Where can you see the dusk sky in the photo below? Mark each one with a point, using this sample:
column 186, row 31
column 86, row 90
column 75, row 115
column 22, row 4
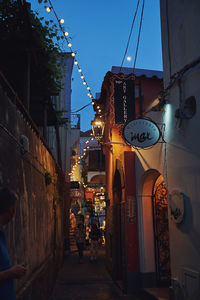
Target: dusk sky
column 99, row 32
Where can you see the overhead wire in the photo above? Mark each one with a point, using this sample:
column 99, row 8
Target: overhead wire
column 81, row 108
column 130, row 34
column 138, row 36
column 65, row 34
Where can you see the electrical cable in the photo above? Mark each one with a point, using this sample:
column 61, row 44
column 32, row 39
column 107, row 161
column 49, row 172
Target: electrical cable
column 81, row 108
column 138, row 36
column 130, row 34
column 90, row 93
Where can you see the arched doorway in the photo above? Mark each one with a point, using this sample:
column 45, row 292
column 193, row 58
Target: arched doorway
column 117, row 196
column 153, row 228
column 161, row 231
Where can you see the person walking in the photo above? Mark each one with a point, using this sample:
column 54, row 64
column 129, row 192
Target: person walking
column 95, row 237
column 8, row 200
column 79, row 235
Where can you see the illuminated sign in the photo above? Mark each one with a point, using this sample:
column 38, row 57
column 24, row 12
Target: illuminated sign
column 124, row 99
column 141, row 133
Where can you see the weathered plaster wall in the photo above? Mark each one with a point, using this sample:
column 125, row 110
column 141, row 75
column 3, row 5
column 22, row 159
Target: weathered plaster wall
column 35, row 236
column 180, row 24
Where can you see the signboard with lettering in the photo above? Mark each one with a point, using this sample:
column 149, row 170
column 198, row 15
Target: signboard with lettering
column 124, row 100
column 141, row 133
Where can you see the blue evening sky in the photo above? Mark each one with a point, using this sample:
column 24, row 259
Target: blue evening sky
column 99, row 32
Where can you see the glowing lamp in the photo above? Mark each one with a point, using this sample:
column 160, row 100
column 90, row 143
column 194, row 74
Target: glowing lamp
column 98, row 126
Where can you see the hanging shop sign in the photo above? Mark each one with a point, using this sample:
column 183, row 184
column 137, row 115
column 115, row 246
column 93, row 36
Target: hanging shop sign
column 141, row 133
column 124, row 99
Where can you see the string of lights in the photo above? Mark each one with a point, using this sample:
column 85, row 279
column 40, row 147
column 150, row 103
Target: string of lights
column 67, row 38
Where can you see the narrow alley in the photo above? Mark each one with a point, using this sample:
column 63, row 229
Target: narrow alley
column 88, row 281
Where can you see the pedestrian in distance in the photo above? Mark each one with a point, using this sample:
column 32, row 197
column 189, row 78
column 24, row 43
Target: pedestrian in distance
column 79, row 235
column 8, row 273
column 95, row 237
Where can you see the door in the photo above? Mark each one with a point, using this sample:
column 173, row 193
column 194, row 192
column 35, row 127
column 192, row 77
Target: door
column 161, row 232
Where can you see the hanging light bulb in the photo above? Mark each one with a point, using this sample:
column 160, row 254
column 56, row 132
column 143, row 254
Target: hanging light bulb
column 48, row 9
column 79, row 70
column 62, row 21
column 92, row 102
column 84, row 82
column 88, row 88
column 82, row 76
column 88, row 94
column 75, row 62
column 69, row 45
column 73, row 54
column 66, row 33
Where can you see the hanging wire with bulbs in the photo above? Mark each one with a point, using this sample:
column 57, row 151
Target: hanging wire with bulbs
column 66, row 37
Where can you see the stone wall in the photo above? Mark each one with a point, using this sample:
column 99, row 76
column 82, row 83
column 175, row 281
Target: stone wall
column 36, row 234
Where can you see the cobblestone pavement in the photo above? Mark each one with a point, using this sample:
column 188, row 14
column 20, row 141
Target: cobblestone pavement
column 86, row 281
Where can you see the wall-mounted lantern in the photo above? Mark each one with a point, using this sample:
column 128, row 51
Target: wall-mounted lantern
column 98, row 128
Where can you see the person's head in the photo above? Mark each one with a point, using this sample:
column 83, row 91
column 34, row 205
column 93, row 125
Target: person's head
column 7, row 205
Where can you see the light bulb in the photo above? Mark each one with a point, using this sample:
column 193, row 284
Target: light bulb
column 88, row 94
column 69, row 45
column 84, row 82
column 62, row 21
column 88, row 88
column 66, row 33
column 79, row 70
column 82, row 76
column 48, row 9
column 76, row 63
column 73, row 54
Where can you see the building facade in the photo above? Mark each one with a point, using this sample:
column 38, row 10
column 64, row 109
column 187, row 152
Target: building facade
column 125, row 97
column 180, row 28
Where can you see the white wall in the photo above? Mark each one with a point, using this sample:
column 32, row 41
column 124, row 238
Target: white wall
column 179, row 159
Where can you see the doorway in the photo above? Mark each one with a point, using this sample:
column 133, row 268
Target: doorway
column 161, row 232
